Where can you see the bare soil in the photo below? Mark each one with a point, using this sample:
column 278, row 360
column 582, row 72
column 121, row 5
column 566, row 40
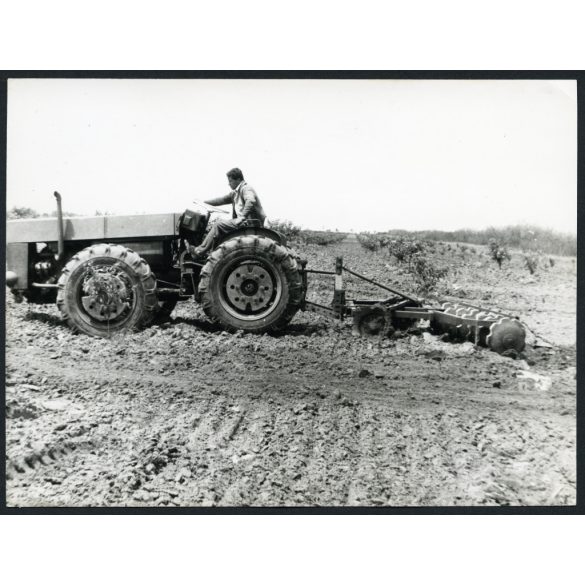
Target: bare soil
column 186, row 414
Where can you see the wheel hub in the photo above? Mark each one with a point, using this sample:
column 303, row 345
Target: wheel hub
column 106, row 295
column 249, row 288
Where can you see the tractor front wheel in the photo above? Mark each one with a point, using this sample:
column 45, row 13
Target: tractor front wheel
column 106, row 289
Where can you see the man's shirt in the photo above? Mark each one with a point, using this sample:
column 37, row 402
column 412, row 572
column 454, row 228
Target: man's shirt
column 244, row 200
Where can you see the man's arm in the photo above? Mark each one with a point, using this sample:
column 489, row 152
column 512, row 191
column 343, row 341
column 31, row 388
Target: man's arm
column 223, row 200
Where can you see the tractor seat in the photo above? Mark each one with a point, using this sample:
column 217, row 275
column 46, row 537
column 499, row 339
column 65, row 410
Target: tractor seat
column 253, row 223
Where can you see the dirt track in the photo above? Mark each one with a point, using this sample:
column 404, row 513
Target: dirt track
column 188, row 415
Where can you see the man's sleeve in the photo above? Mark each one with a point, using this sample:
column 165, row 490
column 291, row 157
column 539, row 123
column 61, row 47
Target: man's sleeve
column 223, row 200
column 250, row 201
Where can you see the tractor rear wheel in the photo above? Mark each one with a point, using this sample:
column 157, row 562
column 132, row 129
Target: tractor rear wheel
column 251, row 283
column 106, row 289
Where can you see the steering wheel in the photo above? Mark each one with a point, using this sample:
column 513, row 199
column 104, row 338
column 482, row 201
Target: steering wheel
column 209, row 208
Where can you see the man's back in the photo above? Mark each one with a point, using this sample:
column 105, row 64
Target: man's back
column 247, row 203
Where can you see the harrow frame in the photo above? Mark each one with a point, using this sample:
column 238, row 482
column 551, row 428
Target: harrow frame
column 459, row 321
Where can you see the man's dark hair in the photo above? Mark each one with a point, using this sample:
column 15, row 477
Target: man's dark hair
column 235, row 174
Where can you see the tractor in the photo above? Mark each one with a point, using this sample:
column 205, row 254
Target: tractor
column 110, row 274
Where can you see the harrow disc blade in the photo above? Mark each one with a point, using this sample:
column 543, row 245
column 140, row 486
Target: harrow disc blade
column 506, row 334
column 457, row 332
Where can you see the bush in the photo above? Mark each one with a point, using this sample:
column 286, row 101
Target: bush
column 28, row 213
column 372, row 242
column 321, row 238
column 21, row 213
column 285, row 227
column 531, row 262
column 498, row 252
column 404, row 249
column 409, row 251
column 527, row 238
column 294, row 232
column 426, row 274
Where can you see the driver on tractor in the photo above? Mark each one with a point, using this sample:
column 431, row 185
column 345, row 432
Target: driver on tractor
column 246, row 208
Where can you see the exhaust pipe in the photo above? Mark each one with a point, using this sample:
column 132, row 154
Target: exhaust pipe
column 60, row 244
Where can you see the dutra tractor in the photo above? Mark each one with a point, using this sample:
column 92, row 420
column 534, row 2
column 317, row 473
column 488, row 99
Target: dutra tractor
column 110, row 274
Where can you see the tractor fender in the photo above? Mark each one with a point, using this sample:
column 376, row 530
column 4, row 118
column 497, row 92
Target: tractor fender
column 252, row 231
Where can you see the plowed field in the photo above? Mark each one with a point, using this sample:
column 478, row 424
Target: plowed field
column 185, row 414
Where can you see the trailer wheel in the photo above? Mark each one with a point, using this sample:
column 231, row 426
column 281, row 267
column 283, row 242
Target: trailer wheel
column 106, row 289
column 251, row 283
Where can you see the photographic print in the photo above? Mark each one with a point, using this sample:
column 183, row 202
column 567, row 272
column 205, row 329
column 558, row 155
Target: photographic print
column 291, row 293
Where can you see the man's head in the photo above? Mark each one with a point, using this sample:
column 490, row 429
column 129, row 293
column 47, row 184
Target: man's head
column 235, row 177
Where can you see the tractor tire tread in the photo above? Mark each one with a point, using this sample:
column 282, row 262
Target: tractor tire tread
column 123, row 255
column 277, row 254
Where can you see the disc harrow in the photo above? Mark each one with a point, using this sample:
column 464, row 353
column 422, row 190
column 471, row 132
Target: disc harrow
column 455, row 321
column 480, row 326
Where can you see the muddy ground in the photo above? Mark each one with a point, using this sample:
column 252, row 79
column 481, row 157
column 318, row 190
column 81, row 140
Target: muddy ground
column 185, row 414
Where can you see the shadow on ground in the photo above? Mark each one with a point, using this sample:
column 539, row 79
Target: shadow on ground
column 45, row 318
column 294, row 330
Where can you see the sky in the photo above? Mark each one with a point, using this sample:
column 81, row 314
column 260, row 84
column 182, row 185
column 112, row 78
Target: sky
column 361, row 155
